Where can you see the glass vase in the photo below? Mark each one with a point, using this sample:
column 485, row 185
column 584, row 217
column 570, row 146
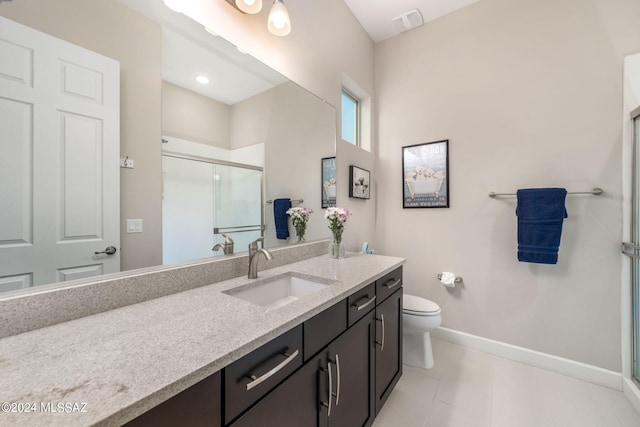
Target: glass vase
column 300, row 230
column 336, row 248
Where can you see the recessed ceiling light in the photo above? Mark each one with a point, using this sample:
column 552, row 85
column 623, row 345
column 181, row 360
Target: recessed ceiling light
column 202, row 79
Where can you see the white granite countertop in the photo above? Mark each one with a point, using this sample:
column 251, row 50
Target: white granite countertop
column 111, row 367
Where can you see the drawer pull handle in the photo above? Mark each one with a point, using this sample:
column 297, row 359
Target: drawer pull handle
column 391, row 284
column 366, row 304
column 325, row 404
column 273, row 371
column 381, row 319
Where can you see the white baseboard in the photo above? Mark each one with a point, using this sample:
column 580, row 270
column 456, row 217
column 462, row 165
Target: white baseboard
column 632, row 393
column 546, row 361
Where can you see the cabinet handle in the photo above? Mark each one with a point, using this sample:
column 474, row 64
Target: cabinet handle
column 325, row 404
column 273, row 371
column 337, row 394
column 366, row 304
column 391, row 284
column 381, row 343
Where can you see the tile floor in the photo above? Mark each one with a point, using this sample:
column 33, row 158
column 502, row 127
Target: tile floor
column 468, row 388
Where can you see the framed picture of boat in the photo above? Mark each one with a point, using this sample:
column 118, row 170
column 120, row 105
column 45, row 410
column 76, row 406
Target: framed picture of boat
column 328, row 182
column 425, row 175
column 359, row 182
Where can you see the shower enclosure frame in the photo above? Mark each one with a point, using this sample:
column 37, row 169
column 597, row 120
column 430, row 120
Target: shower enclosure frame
column 214, row 161
column 635, row 260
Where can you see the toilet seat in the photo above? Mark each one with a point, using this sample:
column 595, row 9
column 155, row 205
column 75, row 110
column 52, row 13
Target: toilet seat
column 417, row 306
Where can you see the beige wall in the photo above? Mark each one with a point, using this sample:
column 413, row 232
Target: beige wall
column 326, row 41
column 301, row 132
column 250, row 119
column 311, row 56
column 194, row 117
column 529, row 93
column 109, row 28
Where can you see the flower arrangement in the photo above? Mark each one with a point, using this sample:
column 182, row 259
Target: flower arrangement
column 337, row 218
column 299, row 219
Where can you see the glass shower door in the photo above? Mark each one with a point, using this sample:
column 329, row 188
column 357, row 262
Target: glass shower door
column 201, row 199
column 237, row 205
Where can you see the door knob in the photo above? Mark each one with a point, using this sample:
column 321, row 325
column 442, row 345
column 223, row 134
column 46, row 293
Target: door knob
column 109, row 251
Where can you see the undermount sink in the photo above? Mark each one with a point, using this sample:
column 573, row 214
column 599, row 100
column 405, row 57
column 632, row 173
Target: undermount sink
column 277, row 291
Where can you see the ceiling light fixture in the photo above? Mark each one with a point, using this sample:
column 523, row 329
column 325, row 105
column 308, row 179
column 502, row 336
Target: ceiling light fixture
column 249, row 6
column 279, row 23
column 202, row 79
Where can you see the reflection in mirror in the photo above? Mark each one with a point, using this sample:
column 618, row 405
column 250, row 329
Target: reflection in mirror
column 247, row 119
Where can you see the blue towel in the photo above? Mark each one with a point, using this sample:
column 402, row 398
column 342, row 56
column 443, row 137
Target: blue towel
column 280, row 207
column 540, row 212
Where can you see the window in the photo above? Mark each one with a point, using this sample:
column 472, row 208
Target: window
column 356, row 114
column 350, row 118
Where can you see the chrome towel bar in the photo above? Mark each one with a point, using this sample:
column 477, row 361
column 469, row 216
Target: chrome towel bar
column 292, row 201
column 596, row 192
column 239, row 229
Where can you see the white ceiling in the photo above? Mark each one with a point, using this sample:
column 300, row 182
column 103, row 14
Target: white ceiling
column 188, row 50
column 376, row 15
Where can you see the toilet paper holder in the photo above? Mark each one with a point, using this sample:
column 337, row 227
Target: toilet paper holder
column 457, row 280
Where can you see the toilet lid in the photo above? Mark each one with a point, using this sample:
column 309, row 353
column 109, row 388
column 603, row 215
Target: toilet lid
column 412, row 304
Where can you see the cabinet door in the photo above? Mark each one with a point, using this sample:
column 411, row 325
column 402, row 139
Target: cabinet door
column 388, row 346
column 199, row 405
column 295, row 403
column 351, row 360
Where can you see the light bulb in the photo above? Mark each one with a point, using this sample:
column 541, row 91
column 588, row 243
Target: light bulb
column 249, row 6
column 279, row 23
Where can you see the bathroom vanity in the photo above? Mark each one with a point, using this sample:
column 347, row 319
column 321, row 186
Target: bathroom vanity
column 209, row 356
column 335, row 369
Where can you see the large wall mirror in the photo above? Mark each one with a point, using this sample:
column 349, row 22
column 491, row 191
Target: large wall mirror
column 204, row 156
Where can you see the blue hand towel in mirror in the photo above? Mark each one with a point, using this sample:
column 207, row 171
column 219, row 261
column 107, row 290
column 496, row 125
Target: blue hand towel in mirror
column 541, row 212
column 280, row 207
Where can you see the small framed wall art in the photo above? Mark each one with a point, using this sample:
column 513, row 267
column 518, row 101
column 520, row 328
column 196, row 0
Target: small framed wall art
column 359, row 182
column 425, row 175
column 328, row 182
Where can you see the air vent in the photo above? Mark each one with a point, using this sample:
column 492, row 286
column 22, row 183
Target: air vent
column 408, row 20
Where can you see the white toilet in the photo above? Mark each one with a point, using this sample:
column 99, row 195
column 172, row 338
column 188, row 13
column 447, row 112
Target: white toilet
column 419, row 317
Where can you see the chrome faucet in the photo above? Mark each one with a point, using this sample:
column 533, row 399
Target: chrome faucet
column 253, row 257
column 227, row 246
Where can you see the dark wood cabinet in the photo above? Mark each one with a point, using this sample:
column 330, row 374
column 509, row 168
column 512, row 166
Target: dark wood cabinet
column 323, row 328
column 332, row 389
column 295, row 403
column 351, row 358
column 388, row 346
column 199, row 405
column 335, row 370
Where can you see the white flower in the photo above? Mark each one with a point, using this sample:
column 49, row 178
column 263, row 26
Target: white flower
column 337, row 217
column 299, row 215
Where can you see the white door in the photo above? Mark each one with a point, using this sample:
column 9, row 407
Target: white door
column 59, row 159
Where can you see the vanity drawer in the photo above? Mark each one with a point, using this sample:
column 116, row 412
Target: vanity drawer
column 321, row 329
column 388, row 284
column 361, row 302
column 248, row 379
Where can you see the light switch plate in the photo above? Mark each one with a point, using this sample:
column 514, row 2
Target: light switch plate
column 134, row 226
